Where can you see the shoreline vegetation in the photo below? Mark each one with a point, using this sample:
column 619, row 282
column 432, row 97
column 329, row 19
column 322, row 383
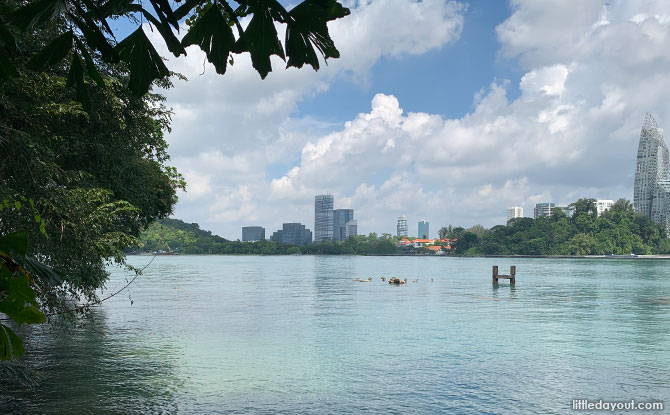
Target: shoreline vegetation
column 618, row 233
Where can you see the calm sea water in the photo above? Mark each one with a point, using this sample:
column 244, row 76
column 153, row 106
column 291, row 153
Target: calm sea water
column 226, row 334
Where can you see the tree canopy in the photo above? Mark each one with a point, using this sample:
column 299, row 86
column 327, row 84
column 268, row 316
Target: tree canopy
column 76, row 38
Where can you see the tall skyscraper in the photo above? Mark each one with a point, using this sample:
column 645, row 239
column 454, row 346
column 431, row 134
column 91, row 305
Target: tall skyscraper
column 543, row 209
column 651, row 192
column 253, row 233
column 424, row 230
column 340, row 219
column 402, row 226
column 323, row 217
column 514, row 212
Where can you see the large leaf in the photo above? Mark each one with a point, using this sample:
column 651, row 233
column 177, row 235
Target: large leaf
column 260, row 39
column 53, row 53
column 14, row 242
column 75, row 79
column 164, row 10
column 214, row 36
column 90, row 65
column 18, row 300
column 11, row 345
column 144, row 63
column 308, row 28
column 170, row 39
column 186, row 8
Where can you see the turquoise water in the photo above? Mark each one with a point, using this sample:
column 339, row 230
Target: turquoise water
column 226, row 334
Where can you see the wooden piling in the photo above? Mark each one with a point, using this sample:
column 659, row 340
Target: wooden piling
column 511, row 277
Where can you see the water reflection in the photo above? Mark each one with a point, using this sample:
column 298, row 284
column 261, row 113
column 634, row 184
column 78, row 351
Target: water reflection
column 91, row 368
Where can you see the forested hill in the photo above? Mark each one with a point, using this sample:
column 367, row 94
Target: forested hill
column 187, row 238
column 179, row 236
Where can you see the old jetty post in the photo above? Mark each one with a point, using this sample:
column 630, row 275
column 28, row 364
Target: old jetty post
column 511, row 277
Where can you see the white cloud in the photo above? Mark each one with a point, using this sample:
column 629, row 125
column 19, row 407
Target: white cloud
column 592, row 69
column 227, row 131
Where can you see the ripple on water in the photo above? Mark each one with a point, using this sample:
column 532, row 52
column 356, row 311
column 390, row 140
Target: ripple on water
column 218, row 334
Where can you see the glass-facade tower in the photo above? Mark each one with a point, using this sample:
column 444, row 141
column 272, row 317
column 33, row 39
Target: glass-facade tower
column 340, row 219
column 402, row 226
column 323, row 217
column 651, row 191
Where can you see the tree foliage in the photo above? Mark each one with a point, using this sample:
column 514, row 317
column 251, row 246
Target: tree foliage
column 76, row 39
column 618, row 230
column 97, row 178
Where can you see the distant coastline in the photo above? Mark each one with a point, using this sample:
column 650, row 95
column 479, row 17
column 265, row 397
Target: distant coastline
column 635, row 257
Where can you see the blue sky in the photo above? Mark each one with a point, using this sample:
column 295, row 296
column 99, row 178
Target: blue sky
column 448, row 111
column 442, row 81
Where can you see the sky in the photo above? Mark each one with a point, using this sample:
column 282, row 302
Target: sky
column 445, row 111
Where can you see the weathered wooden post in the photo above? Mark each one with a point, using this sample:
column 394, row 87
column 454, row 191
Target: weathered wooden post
column 512, row 273
column 495, row 274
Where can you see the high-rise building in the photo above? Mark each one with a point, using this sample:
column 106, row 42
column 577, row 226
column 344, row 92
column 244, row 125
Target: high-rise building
column 340, row 219
column 424, row 231
column 351, row 228
column 323, row 217
column 253, row 233
column 402, row 226
column 651, row 192
column 543, row 209
column 514, row 212
column 603, row 205
column 293, row 234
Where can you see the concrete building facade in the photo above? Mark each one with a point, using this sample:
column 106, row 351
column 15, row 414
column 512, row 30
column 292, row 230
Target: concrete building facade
column 543, row 209
column 514, row 212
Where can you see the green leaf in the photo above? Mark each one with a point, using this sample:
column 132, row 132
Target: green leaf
column 307, row 28
column 53, row 53
column 260, row 39
column 16, row 241
column 214, row 36
column 185, row 8
column 144, row 63
column 19, row 301
column 75, row 79
column 37, row 12
column 17, row 204
column 11, row 345
column 164, row 11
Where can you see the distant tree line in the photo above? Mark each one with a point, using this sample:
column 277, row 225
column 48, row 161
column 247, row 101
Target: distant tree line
column 619, row 230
